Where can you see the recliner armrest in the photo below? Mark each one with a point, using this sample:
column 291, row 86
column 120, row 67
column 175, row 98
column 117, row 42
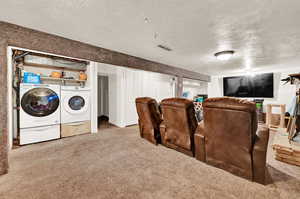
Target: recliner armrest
column 199, row 139
column 262, row 139
column 259, row 154
column 141, row 128
column 200, row 128
column 162, row 128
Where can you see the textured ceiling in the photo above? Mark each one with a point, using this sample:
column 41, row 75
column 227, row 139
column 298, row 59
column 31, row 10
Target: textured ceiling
column 264, row 33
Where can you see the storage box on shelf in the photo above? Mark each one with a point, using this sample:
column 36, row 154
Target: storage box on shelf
column 51, row 68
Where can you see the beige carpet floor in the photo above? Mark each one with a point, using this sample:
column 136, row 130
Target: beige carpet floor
column 117, row 163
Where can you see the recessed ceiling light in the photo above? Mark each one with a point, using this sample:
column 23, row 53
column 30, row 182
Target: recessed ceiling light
column 224, row 55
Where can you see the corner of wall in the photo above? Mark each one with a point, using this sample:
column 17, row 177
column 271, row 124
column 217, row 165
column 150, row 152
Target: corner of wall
column 3, row 108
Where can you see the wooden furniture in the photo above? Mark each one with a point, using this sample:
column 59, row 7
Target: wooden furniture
column 293, row 126
column 76, row 128
column 269, row 116
column 285, row 150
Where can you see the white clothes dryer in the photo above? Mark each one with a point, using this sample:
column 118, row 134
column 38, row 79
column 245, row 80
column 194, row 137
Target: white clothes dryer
column 75, row 104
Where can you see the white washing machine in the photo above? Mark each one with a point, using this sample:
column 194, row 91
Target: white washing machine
column 39, row 113
column 75, row 104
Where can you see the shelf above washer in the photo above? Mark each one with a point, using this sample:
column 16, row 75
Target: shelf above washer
column 62, row 79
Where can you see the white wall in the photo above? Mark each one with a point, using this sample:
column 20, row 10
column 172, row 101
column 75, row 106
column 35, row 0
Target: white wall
column 145, row 84
column 92, row 84
column 125, row 85
column 194, row 87
column 283, row 94
column 116, row 81
column 158, row 86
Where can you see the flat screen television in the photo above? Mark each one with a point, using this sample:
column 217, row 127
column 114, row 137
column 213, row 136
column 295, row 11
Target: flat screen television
column 257, row 86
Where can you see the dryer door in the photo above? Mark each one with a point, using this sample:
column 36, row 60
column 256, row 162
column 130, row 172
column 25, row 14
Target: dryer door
column 76, row 104
column 40, row 102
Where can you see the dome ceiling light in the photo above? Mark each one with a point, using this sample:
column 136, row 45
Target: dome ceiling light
column 224, row 55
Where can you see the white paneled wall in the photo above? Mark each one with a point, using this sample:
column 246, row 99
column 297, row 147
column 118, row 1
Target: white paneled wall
column 133, row 89
column 145, row 84
column 125, row 85
column 158, row 86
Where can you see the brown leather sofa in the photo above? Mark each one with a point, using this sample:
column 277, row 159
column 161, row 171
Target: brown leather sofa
column 149, row 119
column 229, row 138
column 179, row 125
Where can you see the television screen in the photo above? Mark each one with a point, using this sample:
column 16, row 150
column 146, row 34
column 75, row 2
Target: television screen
column 261, row 85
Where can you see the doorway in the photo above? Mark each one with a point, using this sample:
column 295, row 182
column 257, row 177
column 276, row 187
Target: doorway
column 103, row 102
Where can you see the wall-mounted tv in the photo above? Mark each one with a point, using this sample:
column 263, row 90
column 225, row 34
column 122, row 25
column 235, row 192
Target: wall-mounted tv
column 256, row 86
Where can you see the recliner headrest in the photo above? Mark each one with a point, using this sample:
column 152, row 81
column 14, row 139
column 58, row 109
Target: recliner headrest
column 178, row 102
column 230, row 103
column 145, row 100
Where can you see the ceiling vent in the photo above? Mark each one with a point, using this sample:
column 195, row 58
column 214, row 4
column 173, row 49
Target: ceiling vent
column 164, row 47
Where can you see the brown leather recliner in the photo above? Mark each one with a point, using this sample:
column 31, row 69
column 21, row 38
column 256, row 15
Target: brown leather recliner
column 229, row 138
column 179, row 125
column 149, row 119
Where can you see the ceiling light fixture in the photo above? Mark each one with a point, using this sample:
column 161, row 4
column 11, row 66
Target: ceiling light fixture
column 224, row 55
